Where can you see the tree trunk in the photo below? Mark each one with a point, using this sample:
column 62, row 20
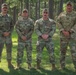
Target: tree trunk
column 51, row 8
column 1, row 1
column 74, row 5
column 14, row 14
column 0, row 4
column 44, row 4
column 27, row 4
column 21, row 7
column 60, row 7
column 38, row 9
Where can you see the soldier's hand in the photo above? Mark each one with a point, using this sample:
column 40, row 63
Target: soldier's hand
column 71, row 31
column 23, row 38
column 45, row 36
column 6, row 34
column 66, row 33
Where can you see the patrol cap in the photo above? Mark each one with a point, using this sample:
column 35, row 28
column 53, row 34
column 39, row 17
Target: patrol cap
column 25, row 10
column 45, row 10
column 4, row 5
column 69, row 3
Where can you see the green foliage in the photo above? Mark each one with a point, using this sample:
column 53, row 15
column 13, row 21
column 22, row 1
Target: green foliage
column 46, row 66
column 13, row 3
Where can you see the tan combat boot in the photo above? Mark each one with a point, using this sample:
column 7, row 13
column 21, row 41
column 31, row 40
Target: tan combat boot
column 29, row 66
column 62, row 67
column 38, row 65
column 18, row 66
column 53, row 67
column 9, row 64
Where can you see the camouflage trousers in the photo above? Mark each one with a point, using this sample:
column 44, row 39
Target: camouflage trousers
column 64, row 43
column 8, row 43
column 20, row 51
column 50, row 48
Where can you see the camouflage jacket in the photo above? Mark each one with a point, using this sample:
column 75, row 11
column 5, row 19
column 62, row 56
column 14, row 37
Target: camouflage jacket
column 6, row 24
column 45, row 27
column 25, row 27
column 67, row 21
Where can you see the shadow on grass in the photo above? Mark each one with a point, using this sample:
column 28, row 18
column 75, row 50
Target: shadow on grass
column 37, row 72
column 57, row 72
column 2, row 72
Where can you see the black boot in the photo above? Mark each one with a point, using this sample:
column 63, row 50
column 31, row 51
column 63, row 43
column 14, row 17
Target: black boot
column 29, row 65
column 10, row 64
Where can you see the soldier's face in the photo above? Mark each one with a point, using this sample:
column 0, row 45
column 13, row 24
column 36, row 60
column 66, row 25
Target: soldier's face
column 25, row 14
column 45, row 14
column 4, row 9
column 69, row 8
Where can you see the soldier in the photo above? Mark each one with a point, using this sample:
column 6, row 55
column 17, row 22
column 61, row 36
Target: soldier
column 24, row 28
column 45, row 28
column 67, row 26
column 6, row 28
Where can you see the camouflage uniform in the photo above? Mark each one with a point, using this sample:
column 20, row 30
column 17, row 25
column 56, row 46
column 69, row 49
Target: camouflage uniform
column 45, row 27
column 67, row 21
column 6, row 25
column 24, row 27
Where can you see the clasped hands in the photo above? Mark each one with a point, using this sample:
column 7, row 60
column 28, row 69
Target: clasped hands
column 66, row 33
column 45, row 36
column 6, row 34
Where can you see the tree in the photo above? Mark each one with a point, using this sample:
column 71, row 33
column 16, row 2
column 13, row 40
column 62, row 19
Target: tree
column 38, row 9
column 60, row 7
column 1, row 1
column 27, row 4
column 44, row 4
column 51, row 8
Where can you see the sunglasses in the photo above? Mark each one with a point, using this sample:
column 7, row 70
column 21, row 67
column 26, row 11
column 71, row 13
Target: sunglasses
column 25, row 12
column 5, row 8
column 46, row 12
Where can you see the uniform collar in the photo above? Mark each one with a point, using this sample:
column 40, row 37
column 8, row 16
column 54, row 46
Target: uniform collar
column 45, row 20
column 3, row 15
column 25, row 18
column 69, row 13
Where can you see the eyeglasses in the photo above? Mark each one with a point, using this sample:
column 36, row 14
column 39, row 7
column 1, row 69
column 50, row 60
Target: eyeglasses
column 46, row 12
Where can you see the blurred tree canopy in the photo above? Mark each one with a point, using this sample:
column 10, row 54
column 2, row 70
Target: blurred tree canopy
column 35, row 7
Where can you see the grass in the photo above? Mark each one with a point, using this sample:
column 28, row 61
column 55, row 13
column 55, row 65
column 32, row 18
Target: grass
column 46, row 66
